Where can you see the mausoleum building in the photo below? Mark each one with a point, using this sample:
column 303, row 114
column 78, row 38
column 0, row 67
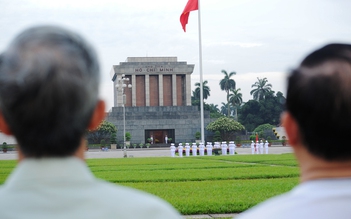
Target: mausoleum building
column 158, row 104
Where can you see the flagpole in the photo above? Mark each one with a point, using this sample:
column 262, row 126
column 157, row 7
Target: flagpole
column 201, row 79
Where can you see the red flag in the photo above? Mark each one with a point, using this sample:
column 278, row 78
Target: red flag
column 256, row 137
column 192, row 5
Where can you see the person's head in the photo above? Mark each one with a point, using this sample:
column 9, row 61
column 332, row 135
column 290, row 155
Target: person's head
column 319, row 100
column 49, row 81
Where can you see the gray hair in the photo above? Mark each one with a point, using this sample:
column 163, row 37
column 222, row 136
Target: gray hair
column 49, row 79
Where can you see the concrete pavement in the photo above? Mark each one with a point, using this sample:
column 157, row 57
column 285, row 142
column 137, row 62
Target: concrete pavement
column 146, row 152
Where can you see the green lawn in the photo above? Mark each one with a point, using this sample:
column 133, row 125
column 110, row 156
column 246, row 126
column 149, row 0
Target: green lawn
column 199, row 185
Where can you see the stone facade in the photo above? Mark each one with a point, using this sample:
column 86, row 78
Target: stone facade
column 159, row 102
column 156, row 81
column 179, row 122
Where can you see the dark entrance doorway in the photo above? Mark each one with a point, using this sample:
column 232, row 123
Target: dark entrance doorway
column 159, row 135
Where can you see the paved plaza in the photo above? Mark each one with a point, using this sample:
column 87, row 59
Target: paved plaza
column 147, row 152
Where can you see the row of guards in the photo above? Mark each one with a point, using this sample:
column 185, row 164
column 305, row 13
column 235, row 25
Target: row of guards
column 203, row 150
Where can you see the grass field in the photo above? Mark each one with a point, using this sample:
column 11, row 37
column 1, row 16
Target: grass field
column 199, row 185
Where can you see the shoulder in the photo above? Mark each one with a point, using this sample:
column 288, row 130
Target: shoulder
column 127, row 200
column 267, row 209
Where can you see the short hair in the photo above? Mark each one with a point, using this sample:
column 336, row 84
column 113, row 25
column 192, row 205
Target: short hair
column 319, row 98
column 49, row 79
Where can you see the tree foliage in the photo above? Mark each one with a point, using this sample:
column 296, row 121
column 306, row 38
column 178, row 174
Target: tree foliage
column 226, row 126
column 226, row 84
column 261, row 89
column 214, row 111
column 205, row 89
column 235, row 99
column 225, row 107
column 263, row 127
column 104, row 131
column 254, row 113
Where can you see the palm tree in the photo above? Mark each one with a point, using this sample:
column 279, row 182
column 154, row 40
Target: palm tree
column 205, row 89
column 213, row 107
column 235, row 99
column 261, row 89
column 226, row 84
column 224, row 108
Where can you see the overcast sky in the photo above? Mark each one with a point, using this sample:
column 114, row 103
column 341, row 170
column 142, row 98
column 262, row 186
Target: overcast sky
column 254, row 38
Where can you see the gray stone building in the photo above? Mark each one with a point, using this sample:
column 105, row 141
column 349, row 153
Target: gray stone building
column 158, row 102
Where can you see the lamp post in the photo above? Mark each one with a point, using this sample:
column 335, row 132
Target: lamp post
column 123, row 82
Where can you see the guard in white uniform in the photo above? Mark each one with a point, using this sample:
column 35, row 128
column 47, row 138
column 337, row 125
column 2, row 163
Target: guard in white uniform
column 180, row 149
column 194, row 149
column 173, row 148
column 216, row 145
column 257, row 147
column 231, row 148
column 252, row 147
column 209, row 148
column 224, row 147
column 201, row 149
column 266, row 147
column 187, row 149
column 261, row 147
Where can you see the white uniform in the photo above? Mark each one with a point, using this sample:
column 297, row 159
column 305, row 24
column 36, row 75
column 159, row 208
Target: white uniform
column 252, row 147
column 266, row 146
column 209, row 148
column 201, row 149
column 257, row 147
column 173, row 148
column 224, row 148
column 187, row 149
column 261, row 147
column 216, row 145
column 180, row 150
column 231, row 148
column 194, row 148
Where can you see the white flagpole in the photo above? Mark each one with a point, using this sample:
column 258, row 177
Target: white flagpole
column 201, row 80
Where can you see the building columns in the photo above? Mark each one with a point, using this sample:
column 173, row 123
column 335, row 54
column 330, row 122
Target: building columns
column 160, row 90
column 133, row 90
column 174, row 90
column 147, row 90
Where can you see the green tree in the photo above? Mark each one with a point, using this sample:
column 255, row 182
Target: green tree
column 212, row 107
column 254, row 113
column 235, row 99
column 226, row 126
column 128, row 136
column 226, row 84
column 217, row 136
column 225, row 107
column 205, row 89
column 113, row 139
column 195, row 99
column 263, row 127
column 261, row 89
column 214, row 111
column 104, row 131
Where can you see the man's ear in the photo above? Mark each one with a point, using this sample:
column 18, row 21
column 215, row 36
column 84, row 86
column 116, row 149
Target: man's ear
column 98, row 115
column 3, row 125
column 291, row 128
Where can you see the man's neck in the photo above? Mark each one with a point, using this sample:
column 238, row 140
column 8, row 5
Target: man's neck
column 313, row 167
column 80, row 153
